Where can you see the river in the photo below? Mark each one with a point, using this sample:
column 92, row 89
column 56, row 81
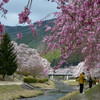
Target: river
column 54, row 94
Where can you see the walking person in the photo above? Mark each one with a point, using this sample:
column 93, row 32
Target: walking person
column 90, row 82
column 97, row 81
column 81, row 82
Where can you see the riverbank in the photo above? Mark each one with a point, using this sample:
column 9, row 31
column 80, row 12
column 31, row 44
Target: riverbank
column 71, row 82
column 74, row 94
column 89, row 94
column 54, row 94
column 13, row 92
column 47, row 85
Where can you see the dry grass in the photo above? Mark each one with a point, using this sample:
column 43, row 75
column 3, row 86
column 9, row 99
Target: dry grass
column 46, row 85
column 72, row 82
column 14, row 91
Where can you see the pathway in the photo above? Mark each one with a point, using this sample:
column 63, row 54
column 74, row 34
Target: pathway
column 10, row 83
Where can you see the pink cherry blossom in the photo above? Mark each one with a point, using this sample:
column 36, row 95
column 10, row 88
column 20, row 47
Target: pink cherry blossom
column 1, row 28
column 45, row 72
column 45, row 39
column 84, row 49
column 5, row 1
column 19, row 35
column 48, row 28
column 77, row 27
column 1, row 4
column 23, row 16
column 98, row 65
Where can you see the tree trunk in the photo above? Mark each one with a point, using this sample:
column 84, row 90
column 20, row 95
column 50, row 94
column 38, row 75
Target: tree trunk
column 3, row 78
column 1, row 68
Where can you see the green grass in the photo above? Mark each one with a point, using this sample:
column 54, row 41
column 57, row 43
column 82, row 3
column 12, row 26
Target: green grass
column 94, row 92
column 12, row 92
column 8, row 88
column 90, row 94
column 70, row 96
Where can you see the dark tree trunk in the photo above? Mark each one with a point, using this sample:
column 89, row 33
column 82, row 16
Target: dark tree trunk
column 1, row 68
column 3, row 78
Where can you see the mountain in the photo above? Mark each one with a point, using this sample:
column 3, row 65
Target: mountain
column 29, row 40
column 28, row 35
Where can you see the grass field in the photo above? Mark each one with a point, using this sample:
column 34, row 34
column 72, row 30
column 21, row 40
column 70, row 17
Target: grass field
column 11, row 92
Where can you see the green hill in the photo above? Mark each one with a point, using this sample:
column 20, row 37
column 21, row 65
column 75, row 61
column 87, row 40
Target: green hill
column 28, row 35
column 28, row 39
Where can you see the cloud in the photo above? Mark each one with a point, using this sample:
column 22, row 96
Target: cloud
column 11, row 19
column 39, row 9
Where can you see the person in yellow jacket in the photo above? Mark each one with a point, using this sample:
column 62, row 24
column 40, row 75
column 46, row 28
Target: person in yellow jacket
column 81, row 81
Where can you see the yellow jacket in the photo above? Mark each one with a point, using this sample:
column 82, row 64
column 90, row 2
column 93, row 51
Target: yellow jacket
column 81, row 79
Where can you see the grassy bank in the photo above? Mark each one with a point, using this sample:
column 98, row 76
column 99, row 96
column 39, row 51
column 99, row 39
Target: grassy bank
column 90, row 94
column 93, row 93
column 12, row 92
column 69, row 96
column 46, row 85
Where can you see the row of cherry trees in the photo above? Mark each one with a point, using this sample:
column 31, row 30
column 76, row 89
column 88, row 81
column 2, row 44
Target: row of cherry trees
column 77, row 26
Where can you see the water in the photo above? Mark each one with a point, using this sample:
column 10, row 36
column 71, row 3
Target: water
column 54, row 94
column 51, row 95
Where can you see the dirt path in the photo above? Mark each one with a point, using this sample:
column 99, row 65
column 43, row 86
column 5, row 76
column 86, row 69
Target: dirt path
column 10, row 83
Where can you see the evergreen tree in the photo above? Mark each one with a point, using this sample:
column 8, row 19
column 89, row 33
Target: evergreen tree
column 8, row 60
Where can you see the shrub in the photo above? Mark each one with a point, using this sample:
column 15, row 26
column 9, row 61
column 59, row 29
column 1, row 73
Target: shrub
column 42, row 80
column 34, row 80
column 30, row 80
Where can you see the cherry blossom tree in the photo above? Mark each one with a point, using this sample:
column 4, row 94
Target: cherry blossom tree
column 77, row 26
column 77, row 70
column 29, row 60
column 36, row 70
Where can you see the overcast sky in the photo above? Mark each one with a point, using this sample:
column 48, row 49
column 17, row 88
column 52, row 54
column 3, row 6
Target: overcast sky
column 40, row 8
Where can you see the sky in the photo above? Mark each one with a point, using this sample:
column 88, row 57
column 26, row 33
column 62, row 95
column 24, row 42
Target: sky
column 39, row 9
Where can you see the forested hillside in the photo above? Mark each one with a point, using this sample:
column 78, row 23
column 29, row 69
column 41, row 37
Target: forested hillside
column 28, row 35
column 52, row 57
